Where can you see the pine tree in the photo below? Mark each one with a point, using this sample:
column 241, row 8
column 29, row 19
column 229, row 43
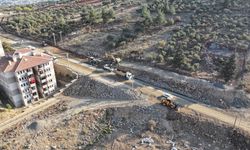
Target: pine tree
column 228, row 68
column 172, row 10
column 179, row 59
column 147, row 16
column 160, row 19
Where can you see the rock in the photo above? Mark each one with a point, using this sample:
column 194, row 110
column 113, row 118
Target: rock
column 88, row 87
column 148, row 140
column 53, row 147
column 151, row 125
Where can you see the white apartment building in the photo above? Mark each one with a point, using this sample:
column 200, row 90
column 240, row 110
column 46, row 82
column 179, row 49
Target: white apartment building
column 26, row 76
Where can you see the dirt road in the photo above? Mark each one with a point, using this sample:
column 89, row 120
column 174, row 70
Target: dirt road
column 33, row 109
column 208, row 111
column 211, row 112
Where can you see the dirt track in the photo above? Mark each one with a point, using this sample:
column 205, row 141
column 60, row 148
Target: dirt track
column 149, row 90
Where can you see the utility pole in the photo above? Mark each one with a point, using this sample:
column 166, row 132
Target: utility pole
column 132, row 82
column 235, row 121
column 60, row 36
column 54, row 37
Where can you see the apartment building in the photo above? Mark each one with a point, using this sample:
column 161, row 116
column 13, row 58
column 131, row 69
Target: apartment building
column 26, row 76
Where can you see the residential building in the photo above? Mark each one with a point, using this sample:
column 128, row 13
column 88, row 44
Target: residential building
column 26, row 76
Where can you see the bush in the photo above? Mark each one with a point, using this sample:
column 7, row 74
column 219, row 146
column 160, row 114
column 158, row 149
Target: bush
column 7, row 47
column 170, row 21
column 8, row 106
column 177, row 19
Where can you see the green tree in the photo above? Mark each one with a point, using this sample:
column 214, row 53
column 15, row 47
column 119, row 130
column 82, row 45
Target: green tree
column 7, row 47
column 85, row 15
column 89, row 15
column 172, row 9
column 160, row 19
column 107, row 15
column 93, row 16
column 228, row 68
column 146, row 15
column 179, row 59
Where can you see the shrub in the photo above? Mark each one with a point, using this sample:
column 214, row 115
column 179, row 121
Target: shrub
column 8, row 106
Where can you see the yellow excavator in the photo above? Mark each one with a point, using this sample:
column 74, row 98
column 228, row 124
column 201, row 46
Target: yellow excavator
column 166, row 100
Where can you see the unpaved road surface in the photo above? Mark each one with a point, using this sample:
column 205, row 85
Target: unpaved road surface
column 155, row 92
column 84, row 69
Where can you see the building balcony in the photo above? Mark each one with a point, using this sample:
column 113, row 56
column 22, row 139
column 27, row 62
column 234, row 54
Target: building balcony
column 30, row 73
column 46, row 92
column 44, row 86
column 44, row 81
column 33, row 90
column 42, row 75
column 32, row 80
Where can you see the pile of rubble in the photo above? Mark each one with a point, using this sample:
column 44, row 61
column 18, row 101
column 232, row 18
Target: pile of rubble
column 156, row 127
column 88, row 87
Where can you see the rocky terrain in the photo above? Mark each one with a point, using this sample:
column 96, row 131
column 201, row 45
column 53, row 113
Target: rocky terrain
column 137, row 127
column 87, row 87
column 93, row 115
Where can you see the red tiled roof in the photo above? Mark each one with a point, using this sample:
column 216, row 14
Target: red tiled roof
column 11, row 67
column 32, row 61
column 24, row 63
column 5, row 66
column 23, row 50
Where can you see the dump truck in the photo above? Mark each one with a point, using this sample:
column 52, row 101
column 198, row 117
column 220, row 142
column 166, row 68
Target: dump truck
column 94, row 61
column 127, row 75
column 110, row 59
column 167, row 100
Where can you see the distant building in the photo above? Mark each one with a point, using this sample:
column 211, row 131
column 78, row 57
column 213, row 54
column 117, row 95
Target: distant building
column 26, row 76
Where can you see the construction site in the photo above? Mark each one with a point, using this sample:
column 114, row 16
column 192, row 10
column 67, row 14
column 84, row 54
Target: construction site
column 104, row 117
column 121, row 84
column 106, row 110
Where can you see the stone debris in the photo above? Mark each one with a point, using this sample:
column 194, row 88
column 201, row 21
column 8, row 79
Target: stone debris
column 87, row 87
column 148, row 140
column 111, row 128
column 172, row 145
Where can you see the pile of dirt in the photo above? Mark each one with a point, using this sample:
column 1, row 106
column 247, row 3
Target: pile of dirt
column 34, row 126
column 88, row 87
column 131, row 126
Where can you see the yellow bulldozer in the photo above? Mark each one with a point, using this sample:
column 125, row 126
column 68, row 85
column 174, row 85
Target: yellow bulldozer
column 166, row 100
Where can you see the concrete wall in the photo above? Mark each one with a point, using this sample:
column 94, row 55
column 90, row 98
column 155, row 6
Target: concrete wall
column 63, row 72
column 10, row 87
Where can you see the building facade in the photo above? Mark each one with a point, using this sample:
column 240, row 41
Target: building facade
column 26, row 76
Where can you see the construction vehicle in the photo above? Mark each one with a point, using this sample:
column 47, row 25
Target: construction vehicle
column 126, row 75
column 44, row 44
column 108, row 68
column 110, row 59
column 94, row 61
column 166, row 100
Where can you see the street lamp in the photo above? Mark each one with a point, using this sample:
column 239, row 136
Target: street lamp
column 54, row 38
column 60, row 35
